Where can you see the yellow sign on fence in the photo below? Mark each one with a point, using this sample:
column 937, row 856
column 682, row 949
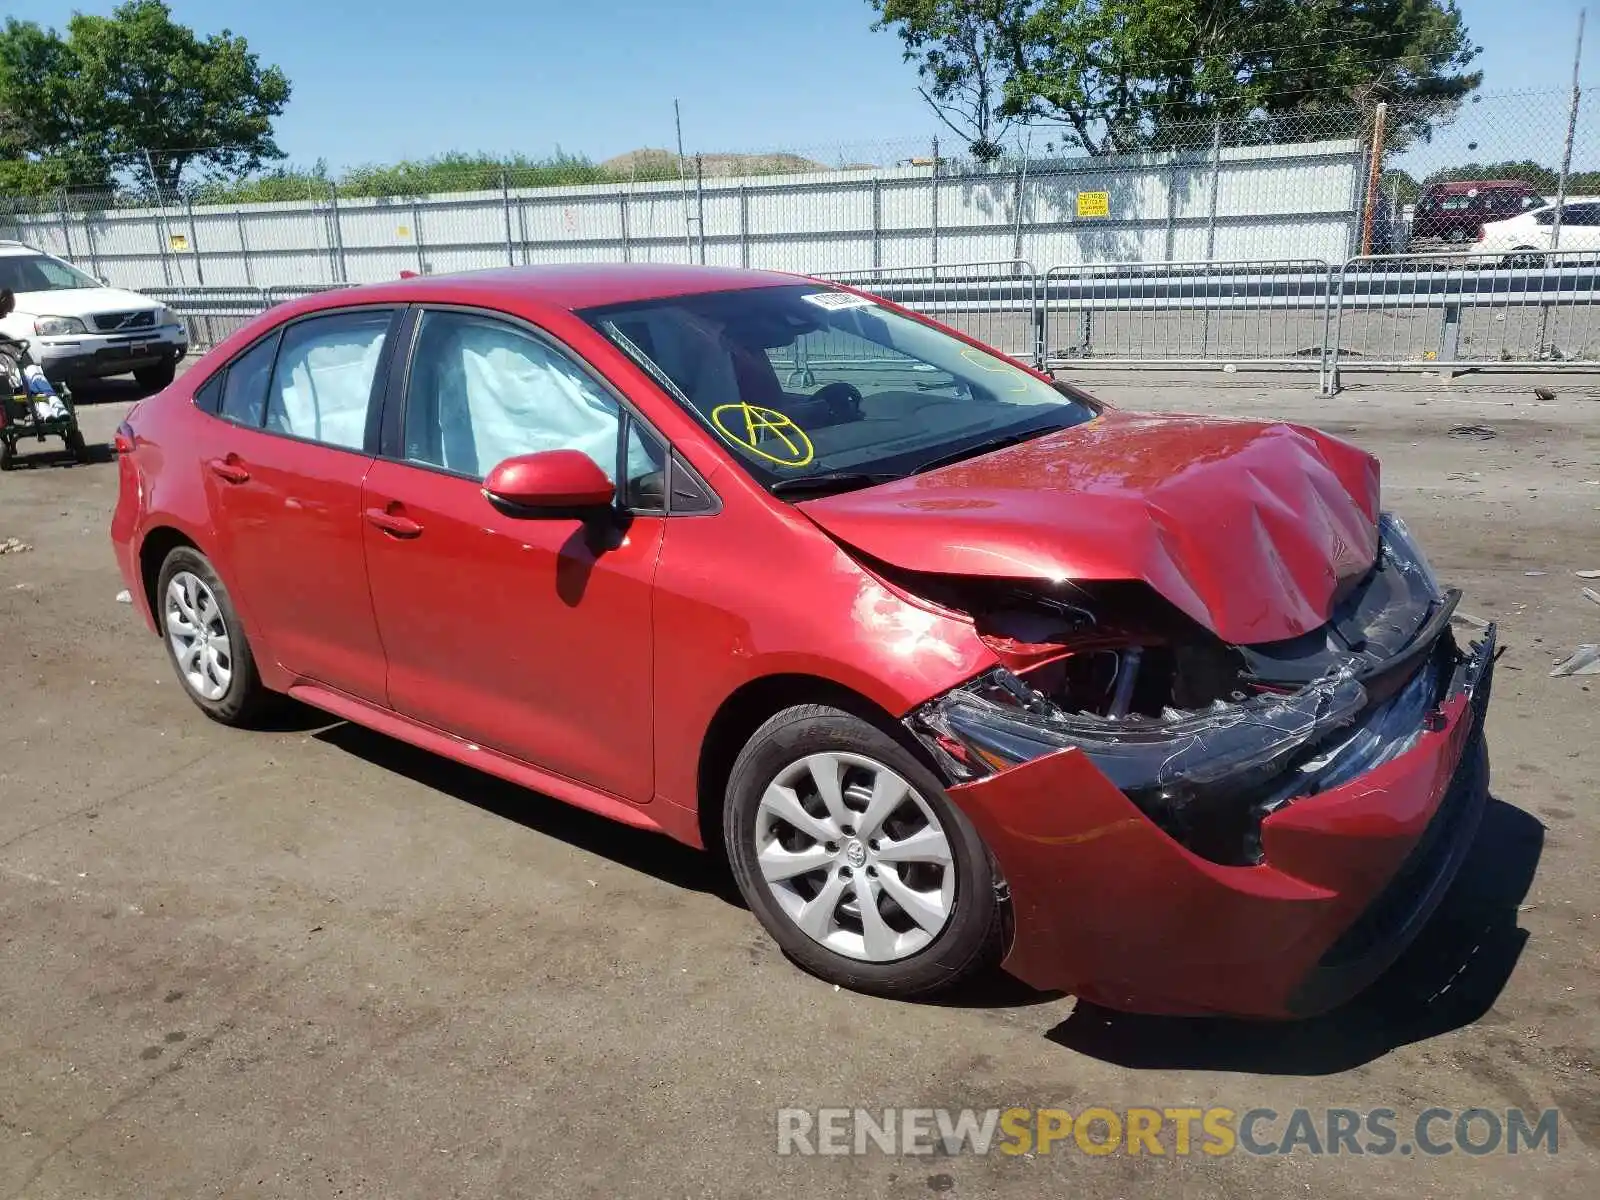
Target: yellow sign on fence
column 179, row 242
column 1094, row 204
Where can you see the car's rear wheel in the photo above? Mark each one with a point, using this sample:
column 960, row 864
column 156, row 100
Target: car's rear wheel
column 848, row 851
column 1524, row 257
column 206, row 640
column 157, row 377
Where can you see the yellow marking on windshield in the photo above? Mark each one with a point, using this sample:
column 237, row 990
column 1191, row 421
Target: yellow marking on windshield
column 748, row 425
column 1017, row 382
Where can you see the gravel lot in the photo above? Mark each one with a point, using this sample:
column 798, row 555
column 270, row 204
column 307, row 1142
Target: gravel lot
column 312, row 962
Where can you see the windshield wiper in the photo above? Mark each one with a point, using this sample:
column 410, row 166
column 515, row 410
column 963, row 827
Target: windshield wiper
column 831, row 481
column 977, row 448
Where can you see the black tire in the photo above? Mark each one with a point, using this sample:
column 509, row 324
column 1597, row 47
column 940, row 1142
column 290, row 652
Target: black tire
column 76, row 446
column 970, row 942
column 246, row 698
column 8, row 456
column 1524, row 257
column 155, row 378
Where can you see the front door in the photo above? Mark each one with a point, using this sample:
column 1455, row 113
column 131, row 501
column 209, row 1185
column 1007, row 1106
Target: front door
column 530, row 636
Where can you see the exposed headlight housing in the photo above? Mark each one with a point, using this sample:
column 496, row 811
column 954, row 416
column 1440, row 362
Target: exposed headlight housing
column 1401, row 550
column 1003, row 722
column 57, row 326
column 1222, row 735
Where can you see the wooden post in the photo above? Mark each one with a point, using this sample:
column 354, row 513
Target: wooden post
column 1380, row 123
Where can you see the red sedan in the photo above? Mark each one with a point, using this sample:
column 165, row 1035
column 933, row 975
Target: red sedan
column 958, row 665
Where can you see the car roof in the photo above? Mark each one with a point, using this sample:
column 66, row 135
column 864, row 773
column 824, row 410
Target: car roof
column 1550, row 204
column 13, row 247
column 571, row 286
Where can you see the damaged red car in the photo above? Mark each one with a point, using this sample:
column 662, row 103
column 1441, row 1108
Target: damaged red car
column 959, row 666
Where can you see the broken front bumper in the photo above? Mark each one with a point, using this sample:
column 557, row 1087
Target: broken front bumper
column 1112, row 908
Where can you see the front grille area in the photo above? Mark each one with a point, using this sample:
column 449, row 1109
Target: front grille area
column 142, row 318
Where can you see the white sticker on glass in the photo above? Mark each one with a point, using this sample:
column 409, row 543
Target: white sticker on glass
column 835, row 301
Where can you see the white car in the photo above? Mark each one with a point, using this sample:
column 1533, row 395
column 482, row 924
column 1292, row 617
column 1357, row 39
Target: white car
column 79, row 328
column 1534, row 230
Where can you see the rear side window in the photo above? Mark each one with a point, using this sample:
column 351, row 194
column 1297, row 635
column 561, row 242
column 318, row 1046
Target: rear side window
column 244, row 390
column 322, row 386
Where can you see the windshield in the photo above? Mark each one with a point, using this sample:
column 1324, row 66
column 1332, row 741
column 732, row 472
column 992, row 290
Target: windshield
column 41, row 273
column 813, row 388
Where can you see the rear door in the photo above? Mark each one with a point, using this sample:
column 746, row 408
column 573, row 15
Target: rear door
column 285, row 470
column 528, row 635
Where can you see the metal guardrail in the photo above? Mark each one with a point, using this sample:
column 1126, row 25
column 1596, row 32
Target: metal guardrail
column 1455, row 312
column 996, row 302
column 214, row 313
column 1444, row 313
column 1270, row 313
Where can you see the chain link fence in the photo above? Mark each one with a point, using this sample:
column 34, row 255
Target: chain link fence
column 1305, row 240
column 1257, row 188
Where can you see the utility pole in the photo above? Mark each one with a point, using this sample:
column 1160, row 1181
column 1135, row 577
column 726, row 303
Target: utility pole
column 1572, row 130
column 683, row 180
column 1546, row 351
column 161, row 219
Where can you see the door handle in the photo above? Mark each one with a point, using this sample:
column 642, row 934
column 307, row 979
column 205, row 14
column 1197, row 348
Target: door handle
column 396, row 526
column 229, row 469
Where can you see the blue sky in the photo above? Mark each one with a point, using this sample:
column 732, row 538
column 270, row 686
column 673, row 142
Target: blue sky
column 374, row 82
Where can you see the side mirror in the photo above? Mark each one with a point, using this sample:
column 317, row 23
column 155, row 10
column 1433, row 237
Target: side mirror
column 552, row 483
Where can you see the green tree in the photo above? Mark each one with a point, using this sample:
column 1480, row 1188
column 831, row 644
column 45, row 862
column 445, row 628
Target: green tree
column 1545, row 179
column 117, row 89
column 1402, row 185
column 1128, row 74
column 963, row 50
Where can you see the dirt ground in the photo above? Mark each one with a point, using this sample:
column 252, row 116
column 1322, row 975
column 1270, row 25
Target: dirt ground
column 312, row 962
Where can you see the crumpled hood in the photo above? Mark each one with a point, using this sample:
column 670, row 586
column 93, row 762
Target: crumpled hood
column 1249, row 528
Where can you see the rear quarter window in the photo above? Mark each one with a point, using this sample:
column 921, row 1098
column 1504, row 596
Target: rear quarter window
column 244, row 384
column 208, row 397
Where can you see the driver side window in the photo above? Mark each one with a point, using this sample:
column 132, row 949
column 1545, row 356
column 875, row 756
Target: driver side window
column 481, row 391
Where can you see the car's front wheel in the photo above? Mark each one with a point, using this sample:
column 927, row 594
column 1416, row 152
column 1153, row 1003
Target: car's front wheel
column 206, row 640
column 848, row 851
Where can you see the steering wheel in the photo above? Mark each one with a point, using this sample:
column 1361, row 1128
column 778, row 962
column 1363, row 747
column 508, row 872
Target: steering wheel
column 843, row 401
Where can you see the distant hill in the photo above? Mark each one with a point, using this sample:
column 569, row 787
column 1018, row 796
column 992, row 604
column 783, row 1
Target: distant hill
column 658, row 163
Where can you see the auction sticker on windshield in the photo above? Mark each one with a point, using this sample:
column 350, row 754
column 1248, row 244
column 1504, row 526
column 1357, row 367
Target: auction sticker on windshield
column 835, row 301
